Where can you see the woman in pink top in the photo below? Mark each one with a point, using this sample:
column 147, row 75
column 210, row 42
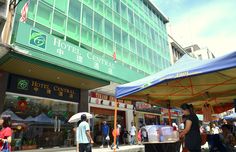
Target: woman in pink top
column 5, row 132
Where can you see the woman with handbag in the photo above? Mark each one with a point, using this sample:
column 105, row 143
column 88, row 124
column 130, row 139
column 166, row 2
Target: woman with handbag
column 5, row 133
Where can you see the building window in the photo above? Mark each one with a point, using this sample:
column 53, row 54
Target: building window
column 200, row 56
column 98, row 23
column 124, row 11
column 108, row 30
column 87, row 16
column 74, row 10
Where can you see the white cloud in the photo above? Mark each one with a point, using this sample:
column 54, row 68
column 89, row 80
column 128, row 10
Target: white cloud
column 211, row 25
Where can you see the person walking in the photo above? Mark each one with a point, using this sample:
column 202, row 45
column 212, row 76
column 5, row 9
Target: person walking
column 5, row 133
column 117, row 134
column 191, row 131
column 125, row 136
column 132, row 133
column 77, row 136
column 105, row 134
column 84, row 138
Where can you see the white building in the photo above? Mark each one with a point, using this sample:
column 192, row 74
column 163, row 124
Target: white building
column 176, row 50
column 199, row 53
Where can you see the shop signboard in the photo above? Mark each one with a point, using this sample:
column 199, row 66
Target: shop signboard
column 145, row 107
column 102, row 99
column 47, row 47
column 34, row 87
column 174, row 113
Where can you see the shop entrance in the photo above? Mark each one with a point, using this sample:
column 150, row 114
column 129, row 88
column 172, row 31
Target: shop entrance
column 101, row 115
column 39, row 122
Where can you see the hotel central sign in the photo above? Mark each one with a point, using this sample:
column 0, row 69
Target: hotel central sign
column 29, row 86
column 52, row 49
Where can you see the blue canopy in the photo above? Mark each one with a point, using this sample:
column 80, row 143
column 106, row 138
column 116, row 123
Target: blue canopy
column 231, row 116
column 189, row 79
column 43, row 118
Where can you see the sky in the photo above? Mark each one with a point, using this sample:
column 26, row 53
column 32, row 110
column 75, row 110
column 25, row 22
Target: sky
column 209, row 23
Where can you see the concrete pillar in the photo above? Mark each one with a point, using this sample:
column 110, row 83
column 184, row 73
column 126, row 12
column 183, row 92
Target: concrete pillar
column 84, row 101
column 3, row 88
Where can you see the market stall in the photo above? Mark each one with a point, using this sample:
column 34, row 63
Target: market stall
column 188, row 81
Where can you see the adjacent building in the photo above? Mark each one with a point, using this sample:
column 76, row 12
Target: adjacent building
column 68, row 47
column 176, row 50
column 199, row 53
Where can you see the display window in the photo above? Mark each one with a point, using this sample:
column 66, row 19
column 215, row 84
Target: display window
column 39, row 122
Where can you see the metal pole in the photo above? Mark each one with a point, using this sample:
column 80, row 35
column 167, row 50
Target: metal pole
column 115, row 120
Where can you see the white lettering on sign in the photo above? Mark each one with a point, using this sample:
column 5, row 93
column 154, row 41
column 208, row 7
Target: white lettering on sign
column 99, row 60
column 65, row 47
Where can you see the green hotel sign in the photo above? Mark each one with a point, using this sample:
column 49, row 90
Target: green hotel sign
column 38, row 39
column 35, row 43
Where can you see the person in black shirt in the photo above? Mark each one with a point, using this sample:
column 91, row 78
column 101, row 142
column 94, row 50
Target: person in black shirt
column 191, row 130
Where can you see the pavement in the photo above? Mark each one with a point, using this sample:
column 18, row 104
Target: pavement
column 122, row 148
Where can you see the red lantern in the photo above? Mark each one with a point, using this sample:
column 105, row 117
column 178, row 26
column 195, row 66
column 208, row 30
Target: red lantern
column 22, row 104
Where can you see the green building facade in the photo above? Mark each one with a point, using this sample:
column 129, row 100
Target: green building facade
column 66, row 48
column 134, row 29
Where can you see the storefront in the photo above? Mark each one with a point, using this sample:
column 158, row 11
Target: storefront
column 146, row 114
column 102, row 107
column 175, row 116
column 39, row 111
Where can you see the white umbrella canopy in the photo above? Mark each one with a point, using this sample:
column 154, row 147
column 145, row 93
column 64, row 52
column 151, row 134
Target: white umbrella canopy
column 77, row 117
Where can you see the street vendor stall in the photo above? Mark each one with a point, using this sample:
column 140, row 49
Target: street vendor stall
column 188, row 81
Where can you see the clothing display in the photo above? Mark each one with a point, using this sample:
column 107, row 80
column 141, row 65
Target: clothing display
column 207, row 111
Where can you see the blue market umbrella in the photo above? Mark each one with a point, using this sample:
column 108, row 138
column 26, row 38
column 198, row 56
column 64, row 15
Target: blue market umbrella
column 14, row 117
column 230, row 117
column 43, row 118
column 189, row 80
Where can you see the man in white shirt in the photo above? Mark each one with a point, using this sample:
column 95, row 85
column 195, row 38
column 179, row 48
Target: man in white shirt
column 132, row 133
column 84, row 138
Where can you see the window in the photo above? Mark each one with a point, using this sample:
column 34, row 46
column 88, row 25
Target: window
column 124, row 10
column 116, row 6
column 88, row 2
column 87, row 16
column 136, row 19
column 125, row 25
column 108, row 3
column 87, row 36
column 74, row 9
column 117, row 35
column 73, row 29
column 44, row 14
column 125, row 39
column 98, row 42
column 98, row 5
column 126, row 55
column 108, row 30
column 130, row 15
column 132, row 44
column 108, row 46
column 98, row 23
column 200, row 56
column 108, row 13
column 139, row 48
column 32, row 8
column 61, row 5
column 59, row 21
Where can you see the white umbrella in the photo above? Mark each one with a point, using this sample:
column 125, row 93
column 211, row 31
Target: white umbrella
column 77, row 117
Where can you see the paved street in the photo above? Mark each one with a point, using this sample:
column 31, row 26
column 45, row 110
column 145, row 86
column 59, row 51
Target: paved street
column 133, row 148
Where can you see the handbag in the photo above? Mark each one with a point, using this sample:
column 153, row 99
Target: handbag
column 5, row 147
column 107, row 137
